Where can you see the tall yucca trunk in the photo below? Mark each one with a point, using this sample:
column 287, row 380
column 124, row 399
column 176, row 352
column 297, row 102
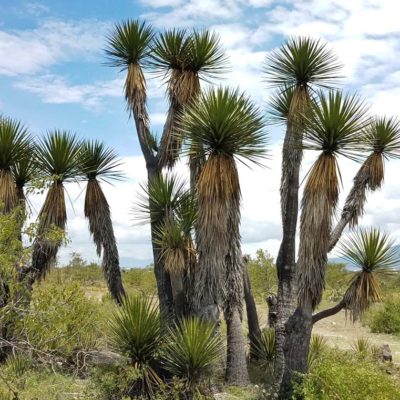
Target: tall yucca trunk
column 318, row 205
column 97, row 211
column 236, row 366
column 369, row 176
column 135, row 94
column 215, row 187
column 286, row 261
column 8, row 193
column 53, row 213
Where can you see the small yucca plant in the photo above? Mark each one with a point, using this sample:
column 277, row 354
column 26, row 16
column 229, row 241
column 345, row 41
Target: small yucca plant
column 192, row 349
column 317, row 346
column 361, row 346
column 136, row 332
column 264, row 348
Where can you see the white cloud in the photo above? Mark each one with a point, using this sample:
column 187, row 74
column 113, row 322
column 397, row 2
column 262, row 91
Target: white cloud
column 30, row 51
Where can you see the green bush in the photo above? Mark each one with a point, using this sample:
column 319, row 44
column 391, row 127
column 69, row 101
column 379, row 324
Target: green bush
column 340, row 375
column 60, row 322
column 386, row 319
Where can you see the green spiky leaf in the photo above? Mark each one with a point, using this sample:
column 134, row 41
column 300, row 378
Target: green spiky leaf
column 302, row 61
column 335, row 124
column 128, row 43
column 99, row 161
column 57, row 154
column 223, row 121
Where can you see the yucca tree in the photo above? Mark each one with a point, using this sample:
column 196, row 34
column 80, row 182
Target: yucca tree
column 222, row 126
column 158, row 204
column 296, row 69
column 333, row 127
column 182, row 59
column 382, row 139
column 99, row 163
column 57, row 157
column 14, row 145
column 178, row 251
column 128, row 47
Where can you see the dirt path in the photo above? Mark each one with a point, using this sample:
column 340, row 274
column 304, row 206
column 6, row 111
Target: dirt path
column 341, row 332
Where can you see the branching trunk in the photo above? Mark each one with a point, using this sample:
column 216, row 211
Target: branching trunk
column 286, row 260
column 354, row 204
column 328, row 312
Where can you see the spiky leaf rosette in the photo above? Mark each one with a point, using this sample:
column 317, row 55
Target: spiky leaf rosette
column 14, row 144
column 127, row 48
column 57, row 156
column 99, row 163
column 136, row 332
column 221, row 126
column 302, row 61
column 334, row 127
column 372, row 253
column 24, row 170
column 159, row 199
column 383, row 138
column 191, row 350
column 184, row 58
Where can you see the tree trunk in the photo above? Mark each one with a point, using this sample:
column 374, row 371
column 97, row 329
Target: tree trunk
column 178, row 294
column 298, row 331
column 286, row 260
column 251, row 311
column 236, row 367
column 163, row 280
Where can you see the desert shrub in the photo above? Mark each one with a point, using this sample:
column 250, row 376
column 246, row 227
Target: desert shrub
column 191, row 351
column 262, row 274
column 386, row 319
column 340, row 375
column 60, row 323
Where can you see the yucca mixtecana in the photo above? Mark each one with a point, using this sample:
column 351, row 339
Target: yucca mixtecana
column 99, row 163
column 183, row 58
column 382, row 140
column 297, row 69
column 168, row 206
column 372, row 253
column 57, row 157
column 14, row 145
column 334, row 126
column 222, row 126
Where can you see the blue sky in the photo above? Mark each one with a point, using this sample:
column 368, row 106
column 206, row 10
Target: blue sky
column 52, row 75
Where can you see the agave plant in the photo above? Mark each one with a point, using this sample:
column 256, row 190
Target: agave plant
column 57, row 157
column 361, row 346
column 222, row 126
column 334, row 127
column 372, row 253
column 183, row 58
column 264, row 348
column 382, row 139
column 318, row 345
column 191, row 351
column 14, row 145
column 99, row 163
column 136, row 332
